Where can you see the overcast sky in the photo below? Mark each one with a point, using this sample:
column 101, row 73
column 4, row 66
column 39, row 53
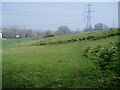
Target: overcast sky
column 49, row 15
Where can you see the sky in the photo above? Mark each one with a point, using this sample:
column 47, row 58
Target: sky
column 51, row 15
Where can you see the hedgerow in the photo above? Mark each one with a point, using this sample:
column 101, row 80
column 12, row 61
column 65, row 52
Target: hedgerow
column 92, row 36
column 107, row 58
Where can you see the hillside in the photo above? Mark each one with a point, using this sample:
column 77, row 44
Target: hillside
column 62, row 39
column 86, row 60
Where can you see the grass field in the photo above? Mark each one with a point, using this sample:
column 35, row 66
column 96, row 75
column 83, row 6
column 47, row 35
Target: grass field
column 58, row 62
column 14, row 40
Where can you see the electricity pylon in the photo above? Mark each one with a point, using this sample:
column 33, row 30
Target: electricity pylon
column 88, row 16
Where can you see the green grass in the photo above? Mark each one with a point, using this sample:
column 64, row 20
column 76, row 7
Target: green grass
column 28, row 64
column 8, row 41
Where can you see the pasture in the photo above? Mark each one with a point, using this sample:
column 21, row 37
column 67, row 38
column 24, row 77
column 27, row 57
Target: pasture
column 66, row 61
column 13, row 40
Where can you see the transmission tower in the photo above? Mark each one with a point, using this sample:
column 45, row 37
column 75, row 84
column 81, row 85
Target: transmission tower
column 88, row 16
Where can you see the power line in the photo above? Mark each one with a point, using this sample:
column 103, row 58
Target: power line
column 51, row 4
column 40, row 25
column 22, row 12
column 42, row 15
column 57, row 4
column 26, row 11
column 88, row 17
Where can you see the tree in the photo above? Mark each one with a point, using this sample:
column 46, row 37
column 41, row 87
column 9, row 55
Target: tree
column 87, row 29
column 34, row 34
column 100, row 26
column 105, row 27
column 78, row 30
column 13, row 31
column 48, row 33
column 63, row 30
column 10, row 32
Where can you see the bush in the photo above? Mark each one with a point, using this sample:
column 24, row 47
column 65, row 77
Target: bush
column 91, row 36
column 49, row 36
column 106, row 58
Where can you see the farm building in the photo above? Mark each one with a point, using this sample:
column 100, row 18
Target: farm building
column 17, row 36
column 0, row 34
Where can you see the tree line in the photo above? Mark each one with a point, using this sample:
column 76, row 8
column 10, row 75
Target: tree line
column 29, row 33
column 13, row 31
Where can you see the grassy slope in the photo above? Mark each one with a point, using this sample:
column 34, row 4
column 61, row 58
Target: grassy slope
column 5, row 43
column 60, row 65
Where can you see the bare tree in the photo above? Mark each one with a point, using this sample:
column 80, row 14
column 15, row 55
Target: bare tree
column 63, row 30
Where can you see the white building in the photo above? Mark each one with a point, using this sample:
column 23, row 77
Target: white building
column 17, row 36
column 0, row 34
